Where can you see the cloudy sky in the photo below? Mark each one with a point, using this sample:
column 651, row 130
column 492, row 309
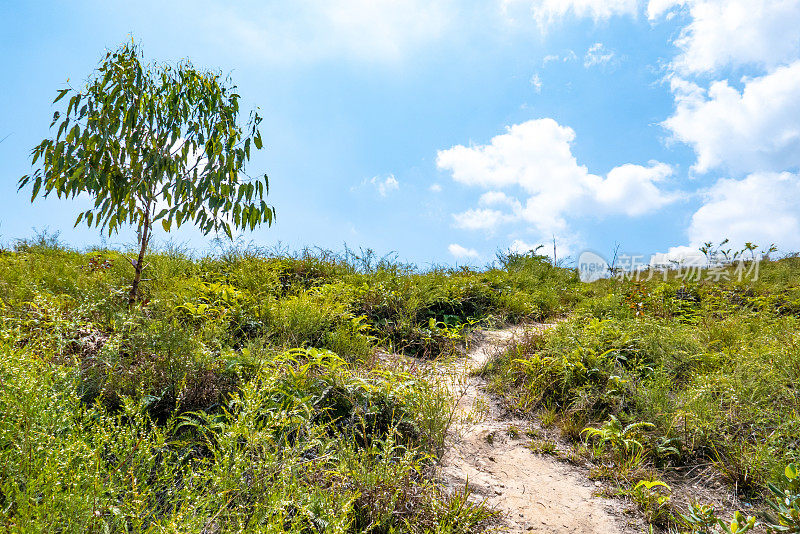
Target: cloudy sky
column 445, row 131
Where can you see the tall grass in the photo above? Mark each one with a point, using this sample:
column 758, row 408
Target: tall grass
column 712, row 365
column 244, row 391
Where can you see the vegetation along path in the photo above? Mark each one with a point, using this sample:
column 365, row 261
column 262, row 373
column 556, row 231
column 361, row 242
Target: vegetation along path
column 489, row 452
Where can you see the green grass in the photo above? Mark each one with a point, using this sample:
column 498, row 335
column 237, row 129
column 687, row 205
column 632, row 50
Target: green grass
column 244, row 392
column 247, row 392
column 714, row 366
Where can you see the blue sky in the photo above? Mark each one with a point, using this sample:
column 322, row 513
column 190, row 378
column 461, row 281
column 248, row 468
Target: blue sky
column 445, row 131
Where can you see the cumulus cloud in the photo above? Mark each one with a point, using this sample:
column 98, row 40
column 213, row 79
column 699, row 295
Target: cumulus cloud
column 755, row 129
column 752, row 129
column 462, row 252
column 761, row 208
column 748, row 127
column 764, row 33
column 597, row 54
column 480, row 219
column 632, row 189
column 534, row 160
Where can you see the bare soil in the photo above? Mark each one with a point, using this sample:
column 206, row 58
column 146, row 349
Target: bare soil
column 488, row 451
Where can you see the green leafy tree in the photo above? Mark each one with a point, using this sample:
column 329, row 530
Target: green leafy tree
column 152, row 144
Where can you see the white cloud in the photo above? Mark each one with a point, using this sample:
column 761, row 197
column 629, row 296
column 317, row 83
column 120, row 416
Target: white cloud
column 480, row 219
column 305, row 30
column 547, row 11
column 462, row 252
column 568, row 56
column 761, row 208
column 565, row 246
column 498, row 198
column 385, row 185
column 550, row 58
column 535, row 155
column 659, row 8
column 748, row 128
column 435, row 188
column 631, row 189
column 684, row 254
column 597, row 54
column 755, row 129
column 765, row 33
column 535, row 158
column 536, row 82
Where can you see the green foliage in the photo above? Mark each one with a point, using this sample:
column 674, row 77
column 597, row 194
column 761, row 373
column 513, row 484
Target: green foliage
column 153, row 143
column 624, row 441
column 245, row 393
column 786, row 502
column 701, row 519
column 653, row 499
column 139, row 134
column 783, row 517
column 711, row 364
column 307, row 442
column 281, row 359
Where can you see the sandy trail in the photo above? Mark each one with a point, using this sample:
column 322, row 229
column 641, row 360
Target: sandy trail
column 533, row 493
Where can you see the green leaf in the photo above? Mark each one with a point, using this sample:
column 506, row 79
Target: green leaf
column 104, row 147
column 37, row 184
column 61, row 93
column 791, row 471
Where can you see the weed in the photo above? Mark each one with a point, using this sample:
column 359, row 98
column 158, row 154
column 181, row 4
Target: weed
column 543, row 446
column 624, row 442
column 651, row 496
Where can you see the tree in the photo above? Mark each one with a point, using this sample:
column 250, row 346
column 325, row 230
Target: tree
column 153, row 143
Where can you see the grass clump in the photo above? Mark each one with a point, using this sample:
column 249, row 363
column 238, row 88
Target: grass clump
column 668, row 373
column 308, row 442
column 244, row 392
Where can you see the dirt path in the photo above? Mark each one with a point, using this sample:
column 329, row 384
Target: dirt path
column 533, row 493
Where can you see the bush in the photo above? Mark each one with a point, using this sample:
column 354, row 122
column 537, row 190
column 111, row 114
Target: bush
column 244, row 392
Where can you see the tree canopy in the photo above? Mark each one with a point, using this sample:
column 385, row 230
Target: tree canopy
column 151, row 143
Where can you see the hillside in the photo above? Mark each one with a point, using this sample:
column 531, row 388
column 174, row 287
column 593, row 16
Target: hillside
column 265, row 391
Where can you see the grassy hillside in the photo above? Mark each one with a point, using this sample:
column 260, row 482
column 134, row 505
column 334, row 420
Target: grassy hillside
column 243, row 393
column 247, row 392
column 658, row 377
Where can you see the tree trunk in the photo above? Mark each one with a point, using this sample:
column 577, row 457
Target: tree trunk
column 137, row 277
